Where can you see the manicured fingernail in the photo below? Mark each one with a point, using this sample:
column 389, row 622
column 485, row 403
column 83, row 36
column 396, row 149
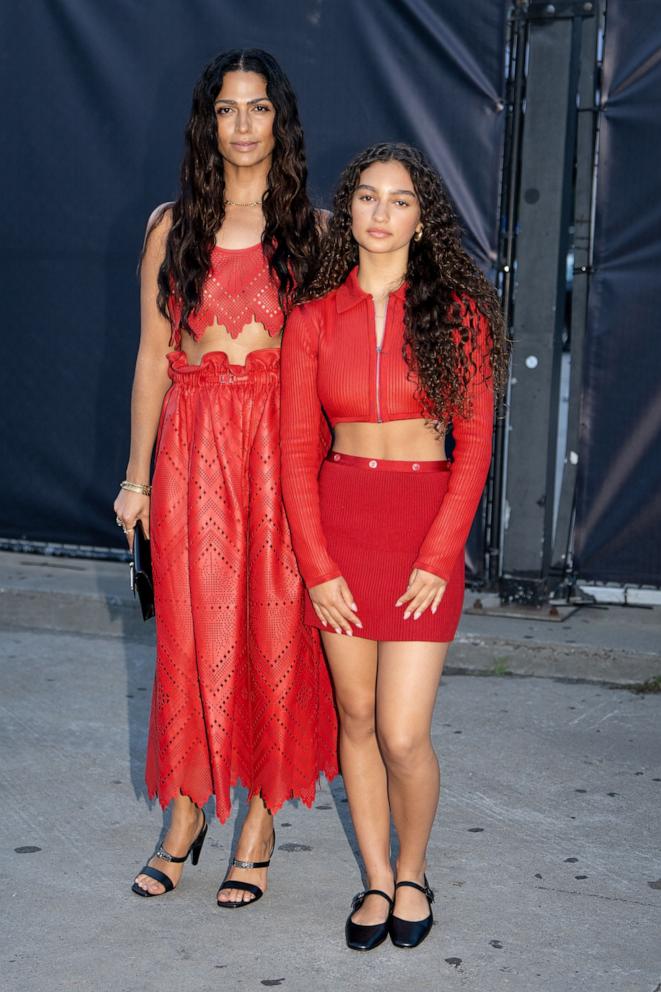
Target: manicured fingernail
column 359, row 624
column 337, row 630
column 433, row 609
column 353, row 606
column 415, row 616
column 349, row 633
column 406, row 616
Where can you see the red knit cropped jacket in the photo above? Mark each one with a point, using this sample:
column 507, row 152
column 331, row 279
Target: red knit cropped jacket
column 330, row 363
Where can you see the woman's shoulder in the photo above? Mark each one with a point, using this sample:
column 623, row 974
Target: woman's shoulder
column 154, row 244
column 464, row 300
column 159, row 222
column 156, row 235
column 307, row 320
column 316, row 307
column 467, row 311
column 304, row 317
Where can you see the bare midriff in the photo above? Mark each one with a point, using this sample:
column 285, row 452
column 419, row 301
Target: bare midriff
column 253, row 337
column 397, row 440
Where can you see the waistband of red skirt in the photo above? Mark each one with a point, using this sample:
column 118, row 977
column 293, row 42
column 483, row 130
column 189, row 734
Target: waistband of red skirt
column 386, row 464
column 216, row 368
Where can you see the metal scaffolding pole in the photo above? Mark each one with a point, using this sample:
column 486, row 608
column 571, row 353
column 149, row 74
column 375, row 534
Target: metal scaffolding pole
column 587, row 143
column 538, row 240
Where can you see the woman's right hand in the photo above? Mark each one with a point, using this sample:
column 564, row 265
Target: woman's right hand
column 334, row 605
column 129, row 508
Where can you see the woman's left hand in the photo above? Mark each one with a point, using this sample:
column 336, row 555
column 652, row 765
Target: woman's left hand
column 424, row 590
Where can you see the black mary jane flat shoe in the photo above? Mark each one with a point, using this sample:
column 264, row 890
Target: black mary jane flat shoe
column 410, row 933
column 366, row 938
column 160, row 876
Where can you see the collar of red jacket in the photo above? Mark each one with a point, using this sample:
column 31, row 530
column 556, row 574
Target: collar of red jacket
column 350, row 293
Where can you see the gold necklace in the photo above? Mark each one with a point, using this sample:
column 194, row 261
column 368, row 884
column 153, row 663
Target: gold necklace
column 253, row 203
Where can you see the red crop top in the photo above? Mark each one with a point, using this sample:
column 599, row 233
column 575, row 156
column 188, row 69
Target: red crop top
column 330, row 362
column 238, row 289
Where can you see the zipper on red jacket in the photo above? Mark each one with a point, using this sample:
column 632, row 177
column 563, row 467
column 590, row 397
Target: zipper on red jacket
column 378, row 382
column 379, row 349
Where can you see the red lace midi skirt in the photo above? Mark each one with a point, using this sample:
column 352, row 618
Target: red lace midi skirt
column 241, row 690
column 375, row 515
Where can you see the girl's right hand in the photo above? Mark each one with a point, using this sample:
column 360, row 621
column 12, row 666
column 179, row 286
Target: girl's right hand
column 334, row 605
column 129, row 508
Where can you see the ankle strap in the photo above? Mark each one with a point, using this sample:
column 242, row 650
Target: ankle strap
column 250, row 864
column 426, row 891
column 254, row 864
column 166, row 856
column 359, row 899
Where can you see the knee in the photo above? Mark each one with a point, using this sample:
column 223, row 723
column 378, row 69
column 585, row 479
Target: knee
column 357, row 718
column 403, row 749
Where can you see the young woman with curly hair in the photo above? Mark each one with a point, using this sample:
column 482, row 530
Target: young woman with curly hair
column 401, row 336
column 241, row 690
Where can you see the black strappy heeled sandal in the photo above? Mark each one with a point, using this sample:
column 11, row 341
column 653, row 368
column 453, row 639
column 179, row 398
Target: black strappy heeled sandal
column 365, row 937
column 159, row 876
column 244, row 886
column 410, row 933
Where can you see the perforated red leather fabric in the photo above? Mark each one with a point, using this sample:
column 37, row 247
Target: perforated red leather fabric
column 238, row 289
column 241, row 690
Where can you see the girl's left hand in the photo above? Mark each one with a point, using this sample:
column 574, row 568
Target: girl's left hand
column 424, row 589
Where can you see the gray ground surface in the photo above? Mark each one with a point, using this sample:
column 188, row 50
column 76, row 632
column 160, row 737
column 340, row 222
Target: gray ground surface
column 597, row 643
column 537, row 772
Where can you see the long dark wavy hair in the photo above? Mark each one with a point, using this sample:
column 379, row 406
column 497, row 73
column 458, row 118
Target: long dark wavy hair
column 446, row 292
column 291, row 235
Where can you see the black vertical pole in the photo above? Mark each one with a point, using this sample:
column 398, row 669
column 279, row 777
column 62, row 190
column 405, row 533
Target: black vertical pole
column 517, row 42
column 586, row 145
column 543, row 215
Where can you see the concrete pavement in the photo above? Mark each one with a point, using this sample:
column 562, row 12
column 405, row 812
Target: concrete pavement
column 615, row 644
column 544, row 856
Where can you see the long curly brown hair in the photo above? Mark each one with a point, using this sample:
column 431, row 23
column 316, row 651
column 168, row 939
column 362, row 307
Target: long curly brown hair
column 291, row 235
column 446, row 292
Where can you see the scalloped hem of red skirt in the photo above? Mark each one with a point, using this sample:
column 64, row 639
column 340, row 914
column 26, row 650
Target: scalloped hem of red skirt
column 305, row 793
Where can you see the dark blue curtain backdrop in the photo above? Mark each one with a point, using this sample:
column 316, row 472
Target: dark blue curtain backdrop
column 618, row 517
column 95, row 98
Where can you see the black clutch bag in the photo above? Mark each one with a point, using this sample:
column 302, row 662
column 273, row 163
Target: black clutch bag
column 142, row 582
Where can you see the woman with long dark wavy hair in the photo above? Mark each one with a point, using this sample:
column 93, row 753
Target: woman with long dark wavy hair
column 401, row 337
column 241, row 692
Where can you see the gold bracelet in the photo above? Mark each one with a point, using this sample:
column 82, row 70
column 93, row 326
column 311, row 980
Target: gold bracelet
column 135, row 487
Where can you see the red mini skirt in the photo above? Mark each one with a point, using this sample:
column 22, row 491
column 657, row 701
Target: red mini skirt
column 375, row 515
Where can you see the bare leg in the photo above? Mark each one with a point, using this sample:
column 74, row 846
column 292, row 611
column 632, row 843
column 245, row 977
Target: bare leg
column 353, row 664
column 409, row 674
column 254, row 845
column 185, row 825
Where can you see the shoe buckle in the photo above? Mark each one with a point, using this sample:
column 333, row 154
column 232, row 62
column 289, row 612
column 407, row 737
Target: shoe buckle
column 242, row 864
column 429, row 893
column 163, row 854
column 357, row 901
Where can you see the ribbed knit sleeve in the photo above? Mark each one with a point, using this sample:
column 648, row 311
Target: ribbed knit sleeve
column 302, row 425
column 470, row 466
